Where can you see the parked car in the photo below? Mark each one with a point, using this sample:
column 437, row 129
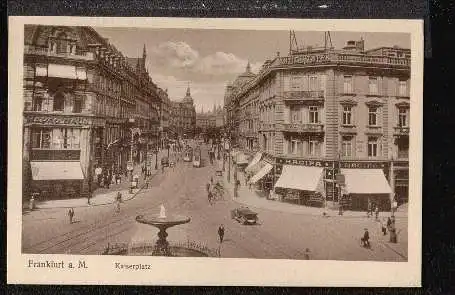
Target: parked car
column 165, row 161
column 244, row 215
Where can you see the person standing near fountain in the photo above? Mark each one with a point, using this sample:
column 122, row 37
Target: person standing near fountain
column 221, row 233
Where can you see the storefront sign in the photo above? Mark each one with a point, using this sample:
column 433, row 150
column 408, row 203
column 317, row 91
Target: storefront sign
column 311, row 163
column 62, row 120
column 363, row 165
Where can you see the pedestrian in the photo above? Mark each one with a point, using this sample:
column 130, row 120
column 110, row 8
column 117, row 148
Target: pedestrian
column 377, row 213
column 383, row 227
column 221, row 233
column 365, row 240
column 306, row 255
column 208, row 187
column 71, row 215
column 32, row 203
column 211, row 179
column 119, row 197
column 210, row 196
column 389, row 223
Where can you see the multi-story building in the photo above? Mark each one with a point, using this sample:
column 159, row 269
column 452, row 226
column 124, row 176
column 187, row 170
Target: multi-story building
column 330, row 125
column 81, row 99
column 183, row 116
column 165, row 115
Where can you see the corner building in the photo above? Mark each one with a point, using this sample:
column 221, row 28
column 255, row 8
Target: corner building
column 331, row 125
column 81, row 99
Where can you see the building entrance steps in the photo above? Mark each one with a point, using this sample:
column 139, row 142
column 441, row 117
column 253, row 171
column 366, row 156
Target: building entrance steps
column 101, row 196
column 249, row 197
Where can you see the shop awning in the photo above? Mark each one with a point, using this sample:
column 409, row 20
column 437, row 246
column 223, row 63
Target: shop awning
column 264, row 170
column 300, row 178
column 241, row 159
column 253, row 162
column 56, row 171
column 366, row 181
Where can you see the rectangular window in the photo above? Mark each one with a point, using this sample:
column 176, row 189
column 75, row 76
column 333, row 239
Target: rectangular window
column 346, row 146
column 372, row 147
column 38, row 103
column 77, row 107
column 294, row 146
column 314, row 114
column 373, row 85
column 347, row 85
column 372, row 116
column 403, row 117
column 41, row 138
column 403, row 88
column 313, row 147
column 296, row 83
column 313, row 83
column 347, row 115
column 296, row 114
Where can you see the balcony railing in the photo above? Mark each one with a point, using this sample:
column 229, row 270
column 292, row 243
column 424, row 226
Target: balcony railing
column 365, row 59
column 44, row 51
column 303, row 95
column 55, row 155
column 267, row 126
column 401, row 130
column 303, row 127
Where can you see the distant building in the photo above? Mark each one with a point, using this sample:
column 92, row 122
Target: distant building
column 325, row 112
column 210, row 119
column 183, row 116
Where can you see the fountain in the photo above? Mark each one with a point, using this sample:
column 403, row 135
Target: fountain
column 162, row 222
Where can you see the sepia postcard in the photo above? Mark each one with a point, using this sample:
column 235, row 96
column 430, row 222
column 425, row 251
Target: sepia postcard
column 179, row 151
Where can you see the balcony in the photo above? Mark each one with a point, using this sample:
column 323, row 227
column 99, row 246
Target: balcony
column 44, row 51
column 267, row 127
column 55, row 155
column 301, row 96
column 401, row 130
column 303, row 127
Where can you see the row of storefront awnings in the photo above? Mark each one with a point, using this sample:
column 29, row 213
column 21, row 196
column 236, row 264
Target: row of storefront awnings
column 69, row 170
column 357, row 181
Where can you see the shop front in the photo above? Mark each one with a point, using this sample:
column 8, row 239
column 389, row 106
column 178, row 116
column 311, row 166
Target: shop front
column 56, row 179
column 300, row 184
column 262, row 179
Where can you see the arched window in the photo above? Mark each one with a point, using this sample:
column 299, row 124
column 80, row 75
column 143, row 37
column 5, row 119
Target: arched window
column 59, row 102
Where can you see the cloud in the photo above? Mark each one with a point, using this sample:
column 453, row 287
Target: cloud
column 180, row 55
column 175, row 54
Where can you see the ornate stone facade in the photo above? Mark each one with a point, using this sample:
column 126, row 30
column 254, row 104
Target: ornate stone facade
column 80, row 93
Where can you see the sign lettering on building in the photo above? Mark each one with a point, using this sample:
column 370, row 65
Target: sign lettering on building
column 51, row 120
column 304, row 59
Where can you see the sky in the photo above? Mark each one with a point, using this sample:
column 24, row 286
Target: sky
column 209, row 59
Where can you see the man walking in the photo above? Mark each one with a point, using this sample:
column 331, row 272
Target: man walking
column 221, row 233
column 71, row 215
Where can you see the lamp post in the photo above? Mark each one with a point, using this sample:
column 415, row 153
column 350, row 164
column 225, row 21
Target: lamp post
column 131, row 164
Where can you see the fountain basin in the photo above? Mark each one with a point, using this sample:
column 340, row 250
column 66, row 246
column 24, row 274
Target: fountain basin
column 165, row 222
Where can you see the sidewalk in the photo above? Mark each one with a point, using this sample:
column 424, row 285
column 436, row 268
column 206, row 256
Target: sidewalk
column 252, row 199
column 101, row 196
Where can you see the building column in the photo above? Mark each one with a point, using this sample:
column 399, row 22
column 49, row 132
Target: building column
column 26, row 169
column 86, row 159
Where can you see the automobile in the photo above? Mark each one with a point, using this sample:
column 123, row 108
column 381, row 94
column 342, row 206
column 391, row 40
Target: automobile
column 244, row 215
column 165, row 162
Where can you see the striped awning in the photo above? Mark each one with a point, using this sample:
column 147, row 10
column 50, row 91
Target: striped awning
column 261, row 173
